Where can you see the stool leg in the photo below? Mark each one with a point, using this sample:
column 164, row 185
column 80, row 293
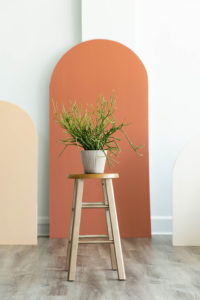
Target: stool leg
column 115, row 228
column 75, row 231
column 71, row 226
column 110, row 235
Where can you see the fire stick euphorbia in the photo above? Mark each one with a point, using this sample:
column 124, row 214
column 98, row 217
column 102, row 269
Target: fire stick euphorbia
column 93, row 128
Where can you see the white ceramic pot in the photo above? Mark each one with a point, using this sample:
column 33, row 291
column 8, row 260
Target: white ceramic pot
column 93, row 161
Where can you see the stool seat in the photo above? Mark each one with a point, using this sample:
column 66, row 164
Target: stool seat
column 93, row 176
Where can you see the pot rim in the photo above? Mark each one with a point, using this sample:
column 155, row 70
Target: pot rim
column 94, row 150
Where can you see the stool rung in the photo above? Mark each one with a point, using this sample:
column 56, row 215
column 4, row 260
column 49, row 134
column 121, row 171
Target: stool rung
column 93, row 236
column 95, row 241
column 94, row 205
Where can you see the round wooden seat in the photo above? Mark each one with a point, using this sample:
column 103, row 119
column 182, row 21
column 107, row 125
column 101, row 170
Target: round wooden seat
column 93, row 176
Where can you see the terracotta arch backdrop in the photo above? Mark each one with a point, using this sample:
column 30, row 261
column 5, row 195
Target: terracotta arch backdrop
column 85, row 71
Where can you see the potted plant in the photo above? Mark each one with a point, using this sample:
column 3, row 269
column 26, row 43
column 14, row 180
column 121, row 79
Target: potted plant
column 93, row 130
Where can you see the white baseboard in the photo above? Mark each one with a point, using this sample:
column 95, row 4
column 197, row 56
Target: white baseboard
column 159, row 225
column 43, row 226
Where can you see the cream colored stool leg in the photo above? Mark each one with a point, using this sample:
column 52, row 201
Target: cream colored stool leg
column 71, row 226
column 115, row 228
column 110, row 235
column 75, row 230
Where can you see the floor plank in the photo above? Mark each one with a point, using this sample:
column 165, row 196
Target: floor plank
column 154, row 270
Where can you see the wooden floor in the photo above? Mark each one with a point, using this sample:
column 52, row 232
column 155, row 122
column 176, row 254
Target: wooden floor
column 154, row 269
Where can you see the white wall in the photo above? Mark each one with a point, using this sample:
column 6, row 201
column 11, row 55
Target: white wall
column 166, row 38
column 167, row 41
column 33, row 36
column 35, row 33
column 113, row 19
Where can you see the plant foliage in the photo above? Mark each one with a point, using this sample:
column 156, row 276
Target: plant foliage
column 93, row 128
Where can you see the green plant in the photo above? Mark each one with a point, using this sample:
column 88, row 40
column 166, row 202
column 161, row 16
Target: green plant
column 93, row 128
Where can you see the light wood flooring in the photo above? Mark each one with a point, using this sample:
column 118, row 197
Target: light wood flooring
column 154, row 270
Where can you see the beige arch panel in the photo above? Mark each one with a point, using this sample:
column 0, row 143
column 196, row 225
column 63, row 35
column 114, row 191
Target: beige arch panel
column 186, row 196
column 18, row 176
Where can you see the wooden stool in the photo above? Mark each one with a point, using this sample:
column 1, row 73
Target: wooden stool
column 113, row 237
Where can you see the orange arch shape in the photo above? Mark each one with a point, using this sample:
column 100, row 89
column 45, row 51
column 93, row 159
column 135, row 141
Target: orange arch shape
column 85, row 71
